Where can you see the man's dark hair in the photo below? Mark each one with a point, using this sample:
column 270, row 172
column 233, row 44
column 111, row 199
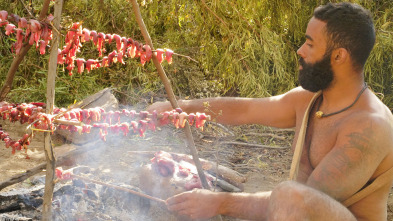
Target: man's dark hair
column 348, row 26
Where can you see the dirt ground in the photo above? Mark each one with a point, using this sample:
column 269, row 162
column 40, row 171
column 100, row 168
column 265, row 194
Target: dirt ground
column 261, row 154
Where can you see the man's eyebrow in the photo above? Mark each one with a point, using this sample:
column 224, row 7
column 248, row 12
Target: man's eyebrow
column 309, row 37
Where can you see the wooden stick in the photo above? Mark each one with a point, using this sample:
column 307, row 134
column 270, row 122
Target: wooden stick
column 188, row 57
column 215, row 15
column 119, row 188
column 59, row 161
column 68, row 122
column 28, row 11
column 68, row 109
column 21, row 177
column 253, row 145
column 171, row 95
column 159, row 116
column 50, row 100
column 266, row 135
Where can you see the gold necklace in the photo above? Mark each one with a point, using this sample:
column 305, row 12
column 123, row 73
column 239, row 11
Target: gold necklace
column 320, row 114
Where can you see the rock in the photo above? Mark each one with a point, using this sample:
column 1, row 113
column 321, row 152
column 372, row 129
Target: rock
column 104, row 99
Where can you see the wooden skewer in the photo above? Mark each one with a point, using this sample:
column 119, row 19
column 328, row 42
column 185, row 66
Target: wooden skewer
column 159, row 116
column 68, row 122
column 78, row 123
column 120, row 188
column 208, row 117
column 68, row 109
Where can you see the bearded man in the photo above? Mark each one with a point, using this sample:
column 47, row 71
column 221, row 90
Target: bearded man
column 347, row 150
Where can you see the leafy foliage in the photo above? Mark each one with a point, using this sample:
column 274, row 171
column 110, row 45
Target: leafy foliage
column 243, row 48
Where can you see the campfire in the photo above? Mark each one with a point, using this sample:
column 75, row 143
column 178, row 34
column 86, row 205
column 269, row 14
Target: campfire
column 114, row 184
column 79, row 199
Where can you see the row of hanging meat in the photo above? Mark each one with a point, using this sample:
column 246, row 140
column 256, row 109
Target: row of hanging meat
column 39, row 33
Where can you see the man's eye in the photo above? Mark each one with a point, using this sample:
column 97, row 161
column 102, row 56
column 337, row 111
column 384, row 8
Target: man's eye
column 310, row 45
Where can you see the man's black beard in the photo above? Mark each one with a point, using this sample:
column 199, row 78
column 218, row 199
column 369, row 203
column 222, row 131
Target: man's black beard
column 317, row 76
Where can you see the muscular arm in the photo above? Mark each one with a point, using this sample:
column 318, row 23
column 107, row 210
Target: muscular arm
column 360, row 147
column 289, row 199
column 202, row 204
column 276, row 111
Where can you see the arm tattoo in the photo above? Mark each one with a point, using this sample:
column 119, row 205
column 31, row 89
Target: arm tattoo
column 347, row 162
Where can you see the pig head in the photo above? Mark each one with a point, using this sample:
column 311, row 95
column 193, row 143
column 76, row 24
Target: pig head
column 165, row 176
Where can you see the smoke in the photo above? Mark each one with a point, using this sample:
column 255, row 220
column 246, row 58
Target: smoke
column 120, row 160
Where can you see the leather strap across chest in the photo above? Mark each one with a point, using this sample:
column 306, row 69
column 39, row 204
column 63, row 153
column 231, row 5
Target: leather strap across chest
column 300, row 140
column 376, row 184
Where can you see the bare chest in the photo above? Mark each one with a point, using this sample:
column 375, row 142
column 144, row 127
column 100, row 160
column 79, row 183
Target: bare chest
column 321, row 136
column 320, row 139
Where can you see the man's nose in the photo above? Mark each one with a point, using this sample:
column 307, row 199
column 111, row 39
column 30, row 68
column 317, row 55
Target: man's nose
column 300, row 51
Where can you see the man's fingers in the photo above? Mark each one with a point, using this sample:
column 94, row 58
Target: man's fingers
column 177, row 203
column 176, row 207
column 188, row 204
column 181, row 209
column 176, row 199
column 184, row 212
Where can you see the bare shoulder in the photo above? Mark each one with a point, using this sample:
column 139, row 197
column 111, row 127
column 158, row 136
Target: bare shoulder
column 373, row 114
column 282, row 110
column 298, row 96
column 299, row 92
column 372, row 123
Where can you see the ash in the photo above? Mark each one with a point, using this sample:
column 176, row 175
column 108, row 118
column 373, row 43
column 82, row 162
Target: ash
column 82, row 201
column 79, row 200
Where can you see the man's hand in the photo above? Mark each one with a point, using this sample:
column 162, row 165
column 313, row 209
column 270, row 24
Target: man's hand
column 196, row 204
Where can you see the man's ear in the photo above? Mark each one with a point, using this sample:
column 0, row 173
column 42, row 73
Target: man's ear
column 340, row 55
